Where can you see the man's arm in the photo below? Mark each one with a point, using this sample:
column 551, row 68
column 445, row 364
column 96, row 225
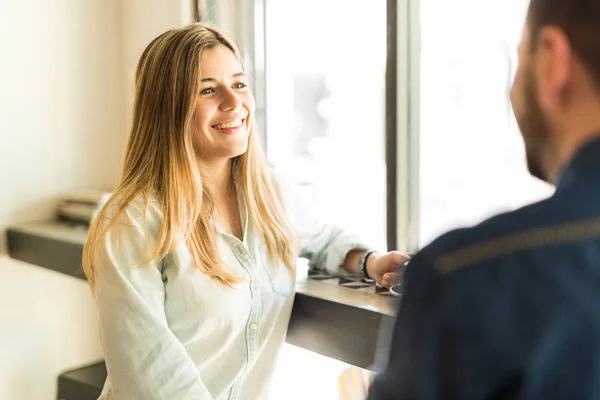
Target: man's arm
column 425, row 351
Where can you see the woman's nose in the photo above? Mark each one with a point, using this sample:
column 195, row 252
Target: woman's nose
column 230, row 101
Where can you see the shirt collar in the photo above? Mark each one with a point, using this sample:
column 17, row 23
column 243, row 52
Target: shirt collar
column 585, row 164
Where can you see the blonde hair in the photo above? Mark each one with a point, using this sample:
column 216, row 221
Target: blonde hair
column 161, row 162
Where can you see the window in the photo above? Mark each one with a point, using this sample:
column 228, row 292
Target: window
column 325, row 102
column 472, row 161
column 325, row 64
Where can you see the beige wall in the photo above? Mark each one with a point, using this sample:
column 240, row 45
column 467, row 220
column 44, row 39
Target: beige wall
column 48, row 324
column 142, row 21
column 66, row 79
column 66, row 90
column 62, row 121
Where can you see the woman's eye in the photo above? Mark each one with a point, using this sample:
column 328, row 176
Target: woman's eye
column 239, row 85
column 207, row 91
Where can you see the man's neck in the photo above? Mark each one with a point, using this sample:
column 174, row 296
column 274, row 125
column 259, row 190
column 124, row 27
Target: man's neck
column 582, row 127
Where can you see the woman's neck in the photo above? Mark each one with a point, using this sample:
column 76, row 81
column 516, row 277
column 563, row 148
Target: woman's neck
column 219, row 180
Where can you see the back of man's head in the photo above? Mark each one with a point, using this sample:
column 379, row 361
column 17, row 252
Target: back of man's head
column 580, row 20
column 556, row 91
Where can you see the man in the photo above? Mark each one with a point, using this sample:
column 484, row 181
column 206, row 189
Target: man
column 511, row 308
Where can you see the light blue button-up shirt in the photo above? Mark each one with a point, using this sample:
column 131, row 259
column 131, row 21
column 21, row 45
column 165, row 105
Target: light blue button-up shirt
column 170, row 332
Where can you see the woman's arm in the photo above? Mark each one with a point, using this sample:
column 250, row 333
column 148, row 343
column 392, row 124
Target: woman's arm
column 333, row 248
column 325, row 245
column 143, row 357
column 386, row 269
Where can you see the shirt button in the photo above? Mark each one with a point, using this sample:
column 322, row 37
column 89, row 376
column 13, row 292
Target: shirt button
column 253, row 326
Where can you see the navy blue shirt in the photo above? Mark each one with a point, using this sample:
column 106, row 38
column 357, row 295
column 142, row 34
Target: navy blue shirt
column 508, row 309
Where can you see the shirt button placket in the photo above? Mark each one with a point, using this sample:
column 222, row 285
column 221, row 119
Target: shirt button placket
column 252, row 334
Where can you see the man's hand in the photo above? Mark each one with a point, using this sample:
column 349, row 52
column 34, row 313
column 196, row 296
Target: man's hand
column 386, row 269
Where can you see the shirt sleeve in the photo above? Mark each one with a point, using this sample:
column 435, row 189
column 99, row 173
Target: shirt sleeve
column 324, row 244
column 144, row 359
column 426, row 355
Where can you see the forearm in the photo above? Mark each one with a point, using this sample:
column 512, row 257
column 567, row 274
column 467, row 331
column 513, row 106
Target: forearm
column 352, row 258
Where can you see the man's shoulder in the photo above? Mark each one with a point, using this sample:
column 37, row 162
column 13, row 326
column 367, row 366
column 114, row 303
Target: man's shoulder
column 531, row 228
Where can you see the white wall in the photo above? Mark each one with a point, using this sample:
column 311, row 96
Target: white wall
column 66, row 88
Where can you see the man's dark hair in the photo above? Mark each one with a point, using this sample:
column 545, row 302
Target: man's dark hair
column 579, row 19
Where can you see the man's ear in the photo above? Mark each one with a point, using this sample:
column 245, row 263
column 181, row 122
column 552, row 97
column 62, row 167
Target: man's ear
column 552, row 63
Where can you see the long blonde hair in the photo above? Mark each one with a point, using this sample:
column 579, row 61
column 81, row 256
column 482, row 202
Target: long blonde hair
column 161, row 163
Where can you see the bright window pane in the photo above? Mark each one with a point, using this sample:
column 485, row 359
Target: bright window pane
column 325, row 63
column 472, row 157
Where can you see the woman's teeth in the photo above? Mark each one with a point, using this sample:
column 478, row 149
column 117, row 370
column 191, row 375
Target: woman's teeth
column 232, row 124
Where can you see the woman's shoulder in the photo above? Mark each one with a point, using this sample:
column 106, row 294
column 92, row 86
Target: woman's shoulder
column 295, row 196
column 281, row 180
column 140, row 211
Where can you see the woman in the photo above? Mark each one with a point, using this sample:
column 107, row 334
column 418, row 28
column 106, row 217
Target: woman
column 192, row 260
